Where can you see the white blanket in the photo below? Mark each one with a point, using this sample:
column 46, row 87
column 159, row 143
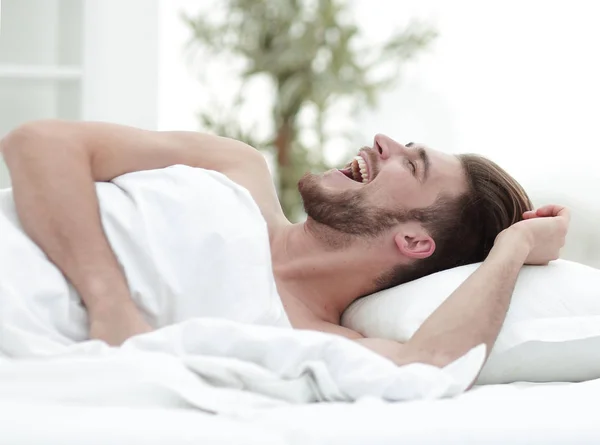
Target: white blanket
column 195, row 250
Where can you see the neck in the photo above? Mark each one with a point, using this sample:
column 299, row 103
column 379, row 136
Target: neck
column 325, row 277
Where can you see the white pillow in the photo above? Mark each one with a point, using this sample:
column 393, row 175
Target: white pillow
column 551, row 332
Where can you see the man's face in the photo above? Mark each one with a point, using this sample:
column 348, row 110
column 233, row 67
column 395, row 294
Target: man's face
column 374, row 191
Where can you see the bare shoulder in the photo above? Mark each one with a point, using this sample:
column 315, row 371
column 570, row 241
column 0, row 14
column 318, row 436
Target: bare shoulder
column 250, row 170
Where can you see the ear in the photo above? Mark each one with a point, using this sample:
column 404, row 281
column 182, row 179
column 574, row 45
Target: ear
column 414, row 242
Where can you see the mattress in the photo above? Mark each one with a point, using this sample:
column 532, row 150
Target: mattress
column 519, row 413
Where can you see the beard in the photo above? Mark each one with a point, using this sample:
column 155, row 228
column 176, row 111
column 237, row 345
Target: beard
column 346, row 212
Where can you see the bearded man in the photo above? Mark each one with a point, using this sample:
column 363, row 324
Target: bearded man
column 395, row 213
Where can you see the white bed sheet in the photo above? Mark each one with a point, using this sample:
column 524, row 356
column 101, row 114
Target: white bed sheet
column 519, row 414
column 48, row 424
column 516, row 414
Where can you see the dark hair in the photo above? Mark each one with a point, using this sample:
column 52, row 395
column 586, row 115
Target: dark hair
column 464, row 229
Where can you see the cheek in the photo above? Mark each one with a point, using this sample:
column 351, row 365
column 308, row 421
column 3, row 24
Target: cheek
column 395, row 189
column 401, row 190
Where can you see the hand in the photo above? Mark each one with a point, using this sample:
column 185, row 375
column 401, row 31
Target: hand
column 543, row 230
column 116, row 325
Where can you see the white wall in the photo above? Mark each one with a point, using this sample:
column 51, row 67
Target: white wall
column 517, row 81
column 187, row 82
column 179, row 94
column 121, row 61
column 514, row 80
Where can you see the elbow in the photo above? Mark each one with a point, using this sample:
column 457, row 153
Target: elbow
column 437, row 359
column 441, row 360
column 428, row 355
column 21, row 138
column 27, row 139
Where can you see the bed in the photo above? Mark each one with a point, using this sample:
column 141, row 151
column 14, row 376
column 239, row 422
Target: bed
column 270, row 384
column 497, row 414
column 517, row 413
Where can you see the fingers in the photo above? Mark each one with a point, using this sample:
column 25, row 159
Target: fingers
column 565, row 213
column 551, row 210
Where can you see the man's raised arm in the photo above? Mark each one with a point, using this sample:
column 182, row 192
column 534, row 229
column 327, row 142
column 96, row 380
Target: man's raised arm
column 476, row 310
column 53, row 167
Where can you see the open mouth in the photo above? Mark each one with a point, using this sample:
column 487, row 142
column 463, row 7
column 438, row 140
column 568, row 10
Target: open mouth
column 357, row 170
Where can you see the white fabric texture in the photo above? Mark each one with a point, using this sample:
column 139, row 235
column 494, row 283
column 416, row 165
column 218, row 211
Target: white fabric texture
column 195, row 250
column 551, row 332
column 515, row 414
column 190, row 241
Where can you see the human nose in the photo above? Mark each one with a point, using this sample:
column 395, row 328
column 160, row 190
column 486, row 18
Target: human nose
column 387, row 147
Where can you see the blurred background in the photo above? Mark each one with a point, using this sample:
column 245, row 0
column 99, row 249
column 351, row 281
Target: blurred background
column 308, row 82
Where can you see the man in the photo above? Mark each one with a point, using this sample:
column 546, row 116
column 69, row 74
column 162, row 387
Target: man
column 395, row 213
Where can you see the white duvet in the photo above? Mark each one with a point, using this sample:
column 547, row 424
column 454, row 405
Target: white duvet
column 195, row 250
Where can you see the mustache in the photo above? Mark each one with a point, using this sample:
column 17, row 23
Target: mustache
column 369, row 152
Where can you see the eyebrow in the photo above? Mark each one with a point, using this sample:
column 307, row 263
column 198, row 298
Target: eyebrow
column 426, row 162
column 424, row 158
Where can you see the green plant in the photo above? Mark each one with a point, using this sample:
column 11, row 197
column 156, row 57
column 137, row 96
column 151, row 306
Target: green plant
column 312, row 53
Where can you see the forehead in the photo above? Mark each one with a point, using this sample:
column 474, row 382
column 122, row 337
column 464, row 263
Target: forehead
column 445, row 171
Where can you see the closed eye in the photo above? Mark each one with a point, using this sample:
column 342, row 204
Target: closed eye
column 413, row 167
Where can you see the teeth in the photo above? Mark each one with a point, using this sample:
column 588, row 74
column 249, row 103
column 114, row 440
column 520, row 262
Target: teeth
column 355, row 169
column 363, row 168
